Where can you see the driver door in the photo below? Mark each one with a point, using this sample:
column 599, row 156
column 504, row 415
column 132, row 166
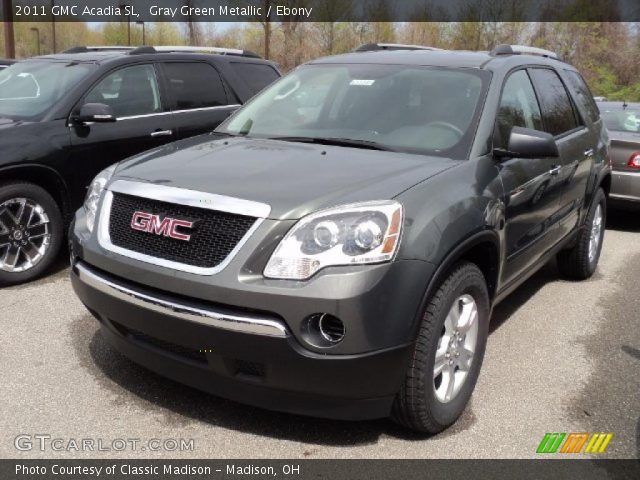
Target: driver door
column 531, row 191
column 143, row 121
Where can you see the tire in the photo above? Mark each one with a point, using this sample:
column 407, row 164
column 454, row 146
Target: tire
column 39, row 237
column 419, row 404
column 577, row 263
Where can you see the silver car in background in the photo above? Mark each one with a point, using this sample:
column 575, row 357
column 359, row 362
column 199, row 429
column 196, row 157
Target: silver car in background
column 623, row 122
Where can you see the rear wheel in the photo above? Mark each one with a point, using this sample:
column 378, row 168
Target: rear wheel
column 448, row 353
column 580, row 261
column 31, row 232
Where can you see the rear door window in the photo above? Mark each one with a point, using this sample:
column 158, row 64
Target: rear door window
column 585, row 98
column 557, row 110
column 194, row 85
column 255, row 75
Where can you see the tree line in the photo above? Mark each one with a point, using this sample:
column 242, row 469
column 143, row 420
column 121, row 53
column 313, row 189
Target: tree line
column 607, row 53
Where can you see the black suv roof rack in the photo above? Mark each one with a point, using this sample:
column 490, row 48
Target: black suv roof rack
column 107, row 48
column 372, row 47
column 505, row 49
column 187, row 49
column 164, row 49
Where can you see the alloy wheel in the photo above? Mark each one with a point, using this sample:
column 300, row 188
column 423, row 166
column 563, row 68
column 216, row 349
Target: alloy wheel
column 596, row 233
column 456, row 348
column 25, row 234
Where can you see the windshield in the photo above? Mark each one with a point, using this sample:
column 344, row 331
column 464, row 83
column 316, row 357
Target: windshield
column 617, row 119
column 28, row 89
column 405, row 108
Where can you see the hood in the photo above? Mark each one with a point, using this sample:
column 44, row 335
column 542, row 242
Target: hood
column 293, row 178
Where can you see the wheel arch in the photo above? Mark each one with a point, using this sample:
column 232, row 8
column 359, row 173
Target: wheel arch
column 481, row 249
column 605, row 183
column 43, row 176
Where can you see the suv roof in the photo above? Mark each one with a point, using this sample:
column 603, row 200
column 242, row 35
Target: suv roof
column 103, row 54
column 417, row 55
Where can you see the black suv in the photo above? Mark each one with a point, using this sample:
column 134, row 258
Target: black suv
column 336, row 247
column 65, row 117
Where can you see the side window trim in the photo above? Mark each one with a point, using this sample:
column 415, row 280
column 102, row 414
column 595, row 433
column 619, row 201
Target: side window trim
column 202, row 109
column 580, row 124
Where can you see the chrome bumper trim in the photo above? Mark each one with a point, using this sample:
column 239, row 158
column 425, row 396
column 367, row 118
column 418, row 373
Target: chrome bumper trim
column 192, row 198
column 235, row 323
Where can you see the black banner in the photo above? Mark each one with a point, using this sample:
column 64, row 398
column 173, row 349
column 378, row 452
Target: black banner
column 320, row 469
column 324, row 10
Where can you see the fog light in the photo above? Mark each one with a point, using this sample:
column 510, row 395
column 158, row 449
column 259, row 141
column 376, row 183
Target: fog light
column 331, row 328
column 323, row 330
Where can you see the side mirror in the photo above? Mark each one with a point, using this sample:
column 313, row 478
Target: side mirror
column 528, row 143
column 95, row 112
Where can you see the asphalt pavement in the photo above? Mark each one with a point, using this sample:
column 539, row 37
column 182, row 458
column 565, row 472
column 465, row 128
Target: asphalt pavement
column 561, row 357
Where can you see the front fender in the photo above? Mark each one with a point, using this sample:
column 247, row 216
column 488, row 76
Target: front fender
column 444, row 211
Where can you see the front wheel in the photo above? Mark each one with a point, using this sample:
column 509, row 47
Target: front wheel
column 448, row 353
column 580, row 261
column 31, row 232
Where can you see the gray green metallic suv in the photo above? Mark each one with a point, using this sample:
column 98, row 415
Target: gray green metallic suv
column 335, row 248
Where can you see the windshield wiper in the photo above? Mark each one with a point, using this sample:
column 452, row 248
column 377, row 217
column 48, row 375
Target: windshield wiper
column 226, row 134
column 340, row 142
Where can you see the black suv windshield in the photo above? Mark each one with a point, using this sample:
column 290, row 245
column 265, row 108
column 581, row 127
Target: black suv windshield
column 28, row 89
column 395, row 107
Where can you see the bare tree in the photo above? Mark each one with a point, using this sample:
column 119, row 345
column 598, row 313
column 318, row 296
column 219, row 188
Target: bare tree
column 193, row 30
column 292, row 41
column 330, row 12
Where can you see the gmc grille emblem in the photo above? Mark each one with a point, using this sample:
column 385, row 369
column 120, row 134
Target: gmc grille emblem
column 168, row 227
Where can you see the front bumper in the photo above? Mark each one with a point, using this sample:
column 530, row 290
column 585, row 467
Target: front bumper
column 239, row 335
column 625, row 188
column 244, row 356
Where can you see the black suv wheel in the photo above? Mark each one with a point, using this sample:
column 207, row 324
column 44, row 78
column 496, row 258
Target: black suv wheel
column 30, row 232
column 448, row 353
column 580, row 261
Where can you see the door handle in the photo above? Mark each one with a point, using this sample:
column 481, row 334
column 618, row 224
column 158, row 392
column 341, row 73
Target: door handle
column 588, row 153
column 555, row 170
column 162, row 133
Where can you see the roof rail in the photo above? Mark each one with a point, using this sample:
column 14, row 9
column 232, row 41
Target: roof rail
column 141, row 50
column 372, row 47
column 187, row 49
column 163, row 49
column 107, row 48
column 505, row 49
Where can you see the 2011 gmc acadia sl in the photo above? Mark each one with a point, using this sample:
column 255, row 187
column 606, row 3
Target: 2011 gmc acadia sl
column 335, row 247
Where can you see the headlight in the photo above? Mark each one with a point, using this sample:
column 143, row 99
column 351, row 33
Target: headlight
column 94, row 193
column 351, row 234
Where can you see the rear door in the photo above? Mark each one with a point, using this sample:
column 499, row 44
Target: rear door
column 532, row 198
column 576, row 144
column 142, row 123
column 197, row 95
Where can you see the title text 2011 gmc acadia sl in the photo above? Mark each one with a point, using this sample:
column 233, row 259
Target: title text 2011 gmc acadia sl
column 335, row 248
